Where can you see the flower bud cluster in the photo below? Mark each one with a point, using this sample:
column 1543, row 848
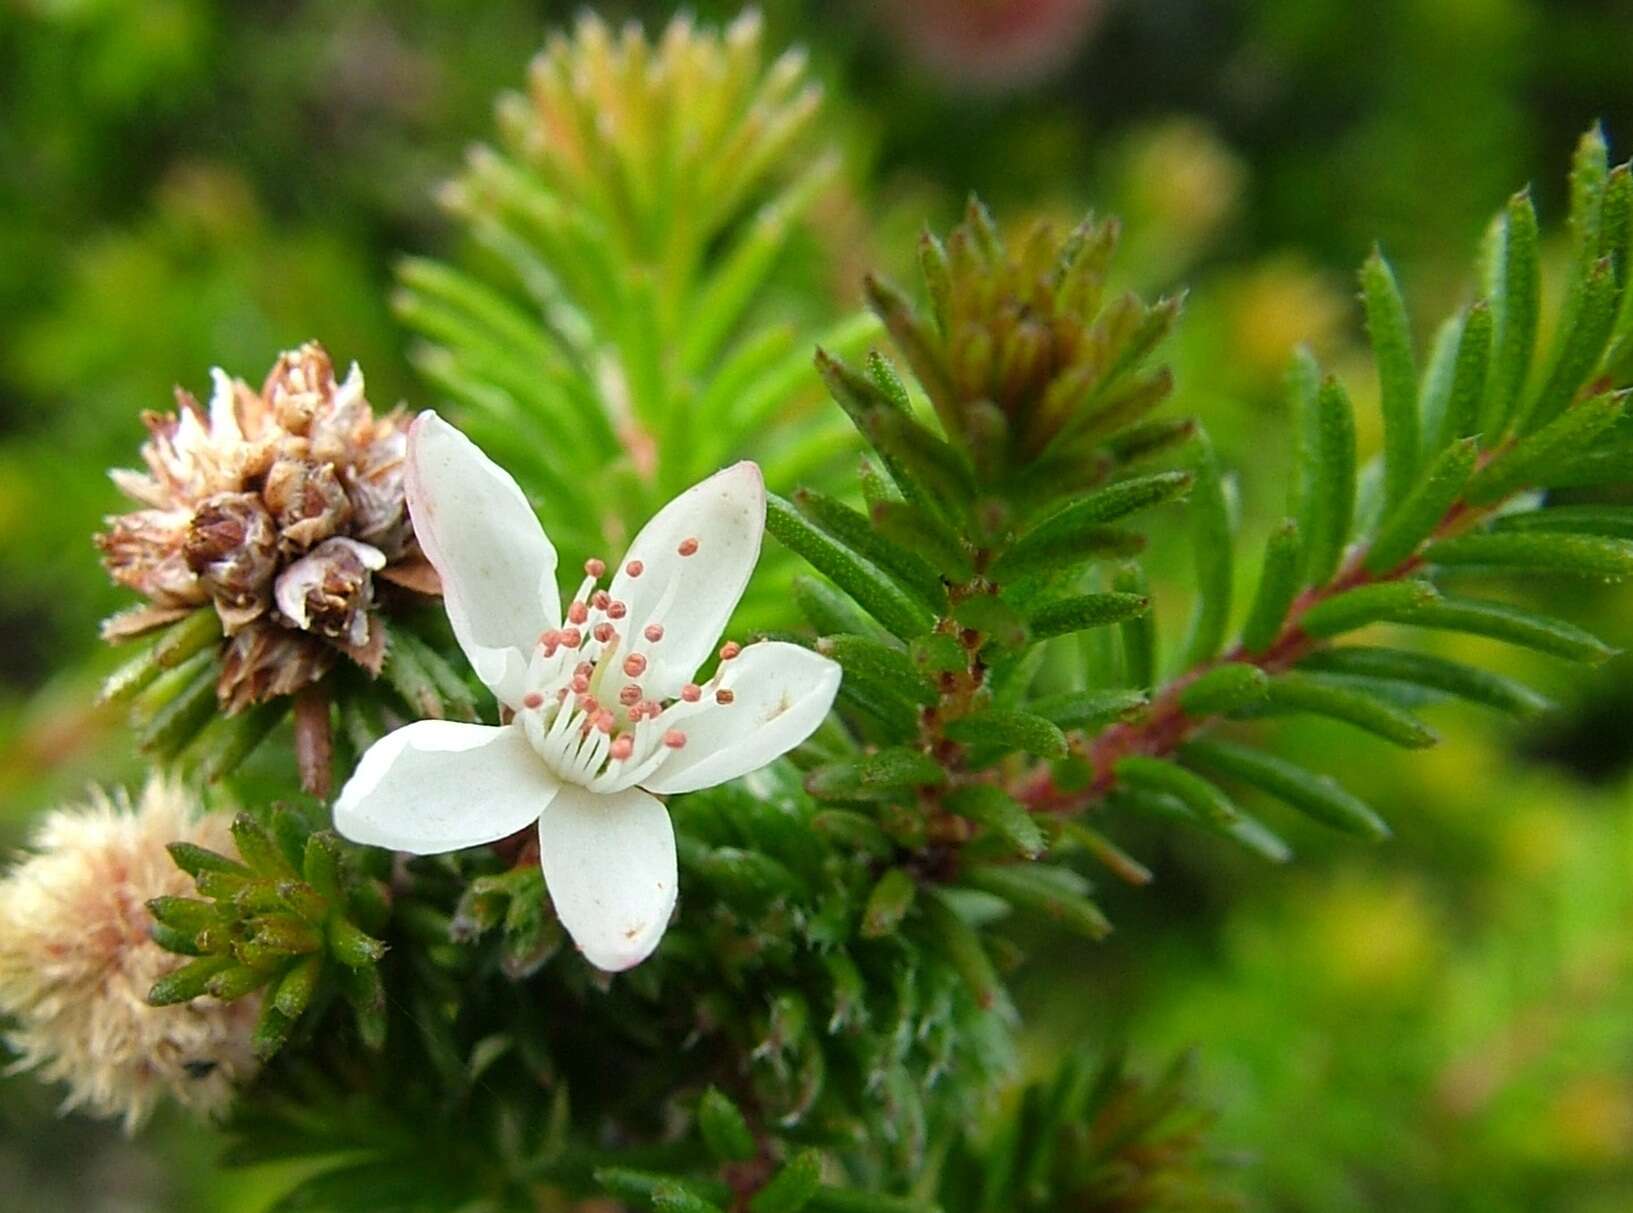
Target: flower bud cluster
column 1025, row 355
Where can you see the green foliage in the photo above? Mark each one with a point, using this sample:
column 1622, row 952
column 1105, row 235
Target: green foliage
column 170, row 690
column 1093, row 1137
column 617, row 335
column 296, row 919
column 1028, row 540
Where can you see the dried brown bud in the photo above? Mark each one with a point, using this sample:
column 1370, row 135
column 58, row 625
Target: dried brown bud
column 329, row 590
column 264, row 661
column 299, row 387
column 144, row 551
column 231, row 545
column 307, row 501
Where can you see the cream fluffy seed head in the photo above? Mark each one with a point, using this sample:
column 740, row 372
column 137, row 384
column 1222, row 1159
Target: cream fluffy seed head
column 77, row 961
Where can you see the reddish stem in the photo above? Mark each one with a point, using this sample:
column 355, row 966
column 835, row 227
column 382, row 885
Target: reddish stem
column 314, row 742
column 1166, row 725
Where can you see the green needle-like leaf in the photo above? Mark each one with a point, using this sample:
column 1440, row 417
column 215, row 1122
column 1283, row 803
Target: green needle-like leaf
column 792, row 1188
column 1224, row 689
column 831, row 611
column 1512, row 624
column 1397, row 377
column 989, row 805
column 880, row 773
column 886, row 669
column 1085, row 611
column 1053, row 893
column 1300, row 692
column 1315, row 795
column 1534, row 458
column 1516, row 294
column 912, row 529
column 854, row 531
column 1279, row 583
column 875, row 590
column 1139, row 632
column 1202, row 798
column 1392, row 601
column 1580, row 555
column 1427, row 670
column 1327, row 480
column 959, row 943
column 888, row 903
column 1613, row 520
column 1079, row 709
column 1583, row 346
column 1081, row 525
column 1415, row 518
column 1461, row 418
column 1212, row 554
column 1021, row 731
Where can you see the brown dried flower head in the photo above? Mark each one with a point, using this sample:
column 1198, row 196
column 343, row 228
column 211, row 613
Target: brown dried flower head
column 77, row 961
column 280, row 509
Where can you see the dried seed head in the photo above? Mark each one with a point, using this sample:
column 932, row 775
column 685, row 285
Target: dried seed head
column 289, row 497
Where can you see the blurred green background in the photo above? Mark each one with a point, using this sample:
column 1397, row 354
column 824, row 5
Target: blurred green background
column 1444, row 1022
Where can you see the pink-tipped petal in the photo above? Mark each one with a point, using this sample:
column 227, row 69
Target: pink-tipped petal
column 498, row 567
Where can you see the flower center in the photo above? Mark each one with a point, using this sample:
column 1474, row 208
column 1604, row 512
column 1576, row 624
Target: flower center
column 599, row 708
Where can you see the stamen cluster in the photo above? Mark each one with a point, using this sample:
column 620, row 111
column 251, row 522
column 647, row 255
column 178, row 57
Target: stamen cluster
column 587, row 712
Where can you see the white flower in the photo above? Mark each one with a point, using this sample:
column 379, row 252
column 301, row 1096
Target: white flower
column 606, row 712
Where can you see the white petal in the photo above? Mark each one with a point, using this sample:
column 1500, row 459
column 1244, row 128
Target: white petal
column 609, row 863
column 498, row 567
column 439, row 785
column 691, row 597
column 780, row 694
column 224, row 408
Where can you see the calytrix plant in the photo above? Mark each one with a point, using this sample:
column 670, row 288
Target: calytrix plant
column 608, row 907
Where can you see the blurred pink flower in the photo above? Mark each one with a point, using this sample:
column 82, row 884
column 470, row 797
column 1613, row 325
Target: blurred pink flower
column 993, row 45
